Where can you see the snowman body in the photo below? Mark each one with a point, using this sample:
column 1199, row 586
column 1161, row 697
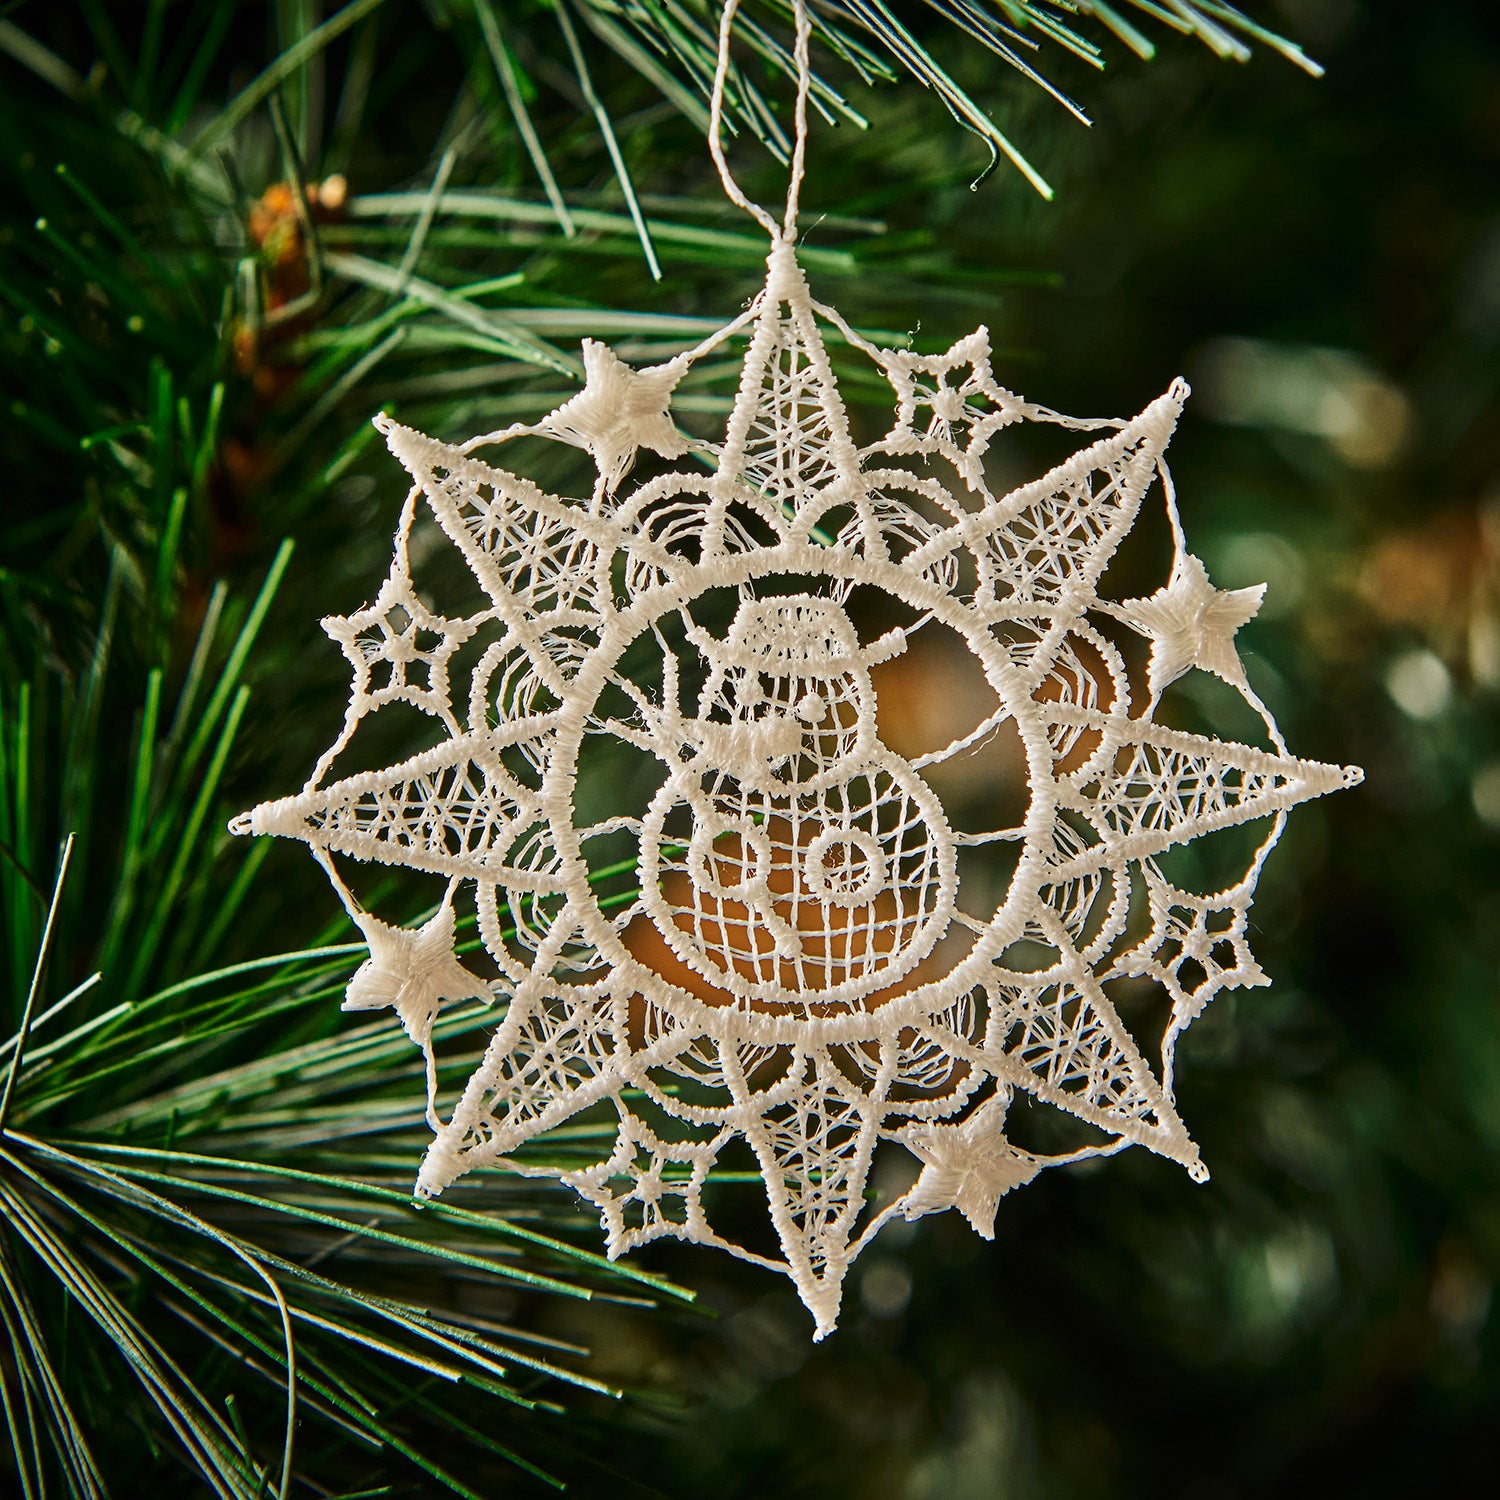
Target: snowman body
column 791, row 859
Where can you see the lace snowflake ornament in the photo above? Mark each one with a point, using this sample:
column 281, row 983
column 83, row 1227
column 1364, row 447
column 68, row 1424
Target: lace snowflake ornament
column 723, row 909
column 720, row 905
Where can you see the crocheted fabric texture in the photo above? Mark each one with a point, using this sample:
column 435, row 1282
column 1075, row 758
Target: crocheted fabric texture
column 720, row 902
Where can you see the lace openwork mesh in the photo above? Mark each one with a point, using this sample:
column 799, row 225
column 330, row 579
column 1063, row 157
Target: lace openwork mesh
column 755, row 929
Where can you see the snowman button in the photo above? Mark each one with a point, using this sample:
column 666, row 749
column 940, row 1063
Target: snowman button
column 810, row 708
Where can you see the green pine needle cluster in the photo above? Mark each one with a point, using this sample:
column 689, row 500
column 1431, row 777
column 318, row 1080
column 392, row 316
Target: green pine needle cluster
column 209, row 1245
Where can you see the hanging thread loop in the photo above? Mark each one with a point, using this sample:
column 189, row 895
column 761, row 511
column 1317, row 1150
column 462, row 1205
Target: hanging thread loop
column 787, row 231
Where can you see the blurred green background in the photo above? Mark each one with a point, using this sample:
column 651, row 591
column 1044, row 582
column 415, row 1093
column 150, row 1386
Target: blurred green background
column 1320, row 258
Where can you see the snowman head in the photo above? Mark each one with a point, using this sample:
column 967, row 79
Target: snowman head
column 788, row 697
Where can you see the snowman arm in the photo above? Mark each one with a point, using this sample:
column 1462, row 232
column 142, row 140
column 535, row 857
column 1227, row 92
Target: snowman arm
column 661, row 727
column 980, row 730
column 1000, row 835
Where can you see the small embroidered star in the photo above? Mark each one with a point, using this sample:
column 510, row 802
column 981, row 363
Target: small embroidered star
column 400, row 649
column 413, row 972
column 968, row 407
column 1192, row 624
column 970, row 1167
column 619, row 411
column 1197, row 935
column 639, row 1200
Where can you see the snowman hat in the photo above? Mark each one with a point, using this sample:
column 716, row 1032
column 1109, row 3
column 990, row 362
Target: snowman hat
column 795, row 635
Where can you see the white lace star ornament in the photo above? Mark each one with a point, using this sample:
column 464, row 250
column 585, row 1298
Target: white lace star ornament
column 800, row 878
column 413, row 972
column 724, row 912
column 618, row 412
column 1193, row 624
column 970, row 1166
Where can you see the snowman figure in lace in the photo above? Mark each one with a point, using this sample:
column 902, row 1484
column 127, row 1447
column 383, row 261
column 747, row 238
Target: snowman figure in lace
column 721, row 908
